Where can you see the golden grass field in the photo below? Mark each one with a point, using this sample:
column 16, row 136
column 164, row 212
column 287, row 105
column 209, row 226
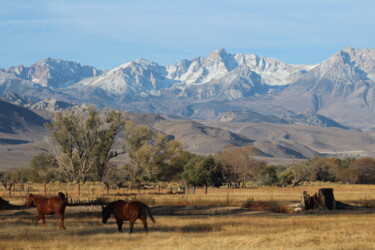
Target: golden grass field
column 203, row 223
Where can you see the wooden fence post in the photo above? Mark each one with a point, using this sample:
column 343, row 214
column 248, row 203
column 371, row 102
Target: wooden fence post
column 79, row 189
column 45, row 189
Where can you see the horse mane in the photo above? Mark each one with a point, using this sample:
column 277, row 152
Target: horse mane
column 112, row 205
column 62, row 196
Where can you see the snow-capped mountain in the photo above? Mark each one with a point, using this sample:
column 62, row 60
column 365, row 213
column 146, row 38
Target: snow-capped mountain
column 54, row 73
column 136, row 78
column 219, row 63
column 339, row 88
column 219, row 75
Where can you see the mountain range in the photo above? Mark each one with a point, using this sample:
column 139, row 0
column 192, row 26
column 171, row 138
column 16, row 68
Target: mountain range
column 337, row 92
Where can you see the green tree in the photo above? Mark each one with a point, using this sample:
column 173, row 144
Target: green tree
column 44, row 168
column 151, row 153
column 268, row 176
column 175, row 167
column 202, row 171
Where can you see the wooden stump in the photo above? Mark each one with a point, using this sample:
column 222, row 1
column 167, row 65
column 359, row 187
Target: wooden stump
column 324, row 199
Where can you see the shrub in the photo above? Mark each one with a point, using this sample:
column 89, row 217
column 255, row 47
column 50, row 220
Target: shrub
column 272, row 206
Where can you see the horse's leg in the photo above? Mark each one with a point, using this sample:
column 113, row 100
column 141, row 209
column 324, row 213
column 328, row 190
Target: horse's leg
column 131, row 223
column 43, row 219
column 61, row 221
column 119, row 224
column 144, row 221
column 38, row 218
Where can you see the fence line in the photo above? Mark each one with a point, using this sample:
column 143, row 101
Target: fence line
column 78, row 190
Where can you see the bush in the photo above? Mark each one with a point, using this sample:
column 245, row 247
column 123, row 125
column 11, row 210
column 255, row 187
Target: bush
column 272, row 206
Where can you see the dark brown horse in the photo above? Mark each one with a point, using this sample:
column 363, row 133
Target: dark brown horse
column 44, row 205
column 127, row 211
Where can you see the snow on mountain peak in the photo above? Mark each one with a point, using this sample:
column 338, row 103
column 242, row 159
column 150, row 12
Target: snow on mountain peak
column 218, row 54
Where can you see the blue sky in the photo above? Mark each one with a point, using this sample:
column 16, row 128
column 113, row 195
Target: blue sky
column 109, row 33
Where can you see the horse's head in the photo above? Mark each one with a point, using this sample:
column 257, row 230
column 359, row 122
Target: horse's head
column 29, row 200
column 105, row 214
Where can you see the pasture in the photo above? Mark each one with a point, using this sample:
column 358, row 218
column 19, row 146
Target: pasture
column 202, row 221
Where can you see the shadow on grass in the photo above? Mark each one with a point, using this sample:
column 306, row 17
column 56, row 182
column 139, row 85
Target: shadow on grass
column 198, row 228
column 181, row 210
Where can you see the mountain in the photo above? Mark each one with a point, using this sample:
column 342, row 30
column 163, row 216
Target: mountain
column 54, row 73
column 139, row 78
column 49, row 104
column 15, row 119
column 341, row 87
column 249, row 116
column 311, row 118
column 17, row 99
column 219, row 76
column 219, row 63
column 271, row 140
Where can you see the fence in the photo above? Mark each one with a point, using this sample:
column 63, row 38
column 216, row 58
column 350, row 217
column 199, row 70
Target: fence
column 97, row 189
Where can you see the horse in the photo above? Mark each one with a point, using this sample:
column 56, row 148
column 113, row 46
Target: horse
column 127, row 211
column 44, row 205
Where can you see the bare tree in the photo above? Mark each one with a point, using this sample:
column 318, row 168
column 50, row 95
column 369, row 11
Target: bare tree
column 84, row 142
column 237, row 165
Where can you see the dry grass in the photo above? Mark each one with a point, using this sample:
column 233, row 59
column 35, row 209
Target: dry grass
column 215, row 196
column 200, row 227
column 251, row 230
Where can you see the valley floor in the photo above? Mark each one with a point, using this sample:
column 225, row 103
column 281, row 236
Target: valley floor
column 250, row 230
column 189, row 222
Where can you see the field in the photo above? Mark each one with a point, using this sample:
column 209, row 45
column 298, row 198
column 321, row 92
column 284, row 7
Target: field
column 202, row 221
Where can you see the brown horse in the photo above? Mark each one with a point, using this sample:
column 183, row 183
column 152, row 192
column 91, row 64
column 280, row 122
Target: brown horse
column 44, row 205
column 127, row 211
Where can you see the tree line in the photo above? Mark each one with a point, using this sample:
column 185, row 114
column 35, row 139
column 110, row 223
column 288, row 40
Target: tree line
column 86, row 146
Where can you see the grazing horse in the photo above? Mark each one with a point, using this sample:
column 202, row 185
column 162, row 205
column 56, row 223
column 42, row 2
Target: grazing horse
column 127, row 211
column 44, row 205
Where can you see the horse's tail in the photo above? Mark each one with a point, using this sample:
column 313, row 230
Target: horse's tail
column 148, row 212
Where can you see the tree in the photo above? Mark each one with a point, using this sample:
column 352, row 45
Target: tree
column 202, row 171
column 151, row 153
column 323, row 169
column 237, row 164
column 17, row 175
column 44, row 168
column 104, row 149
column 268, row 176
column 86, row 142
column 136, row 137
column 364, row 169
column 295, row 174
column 175, row 167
